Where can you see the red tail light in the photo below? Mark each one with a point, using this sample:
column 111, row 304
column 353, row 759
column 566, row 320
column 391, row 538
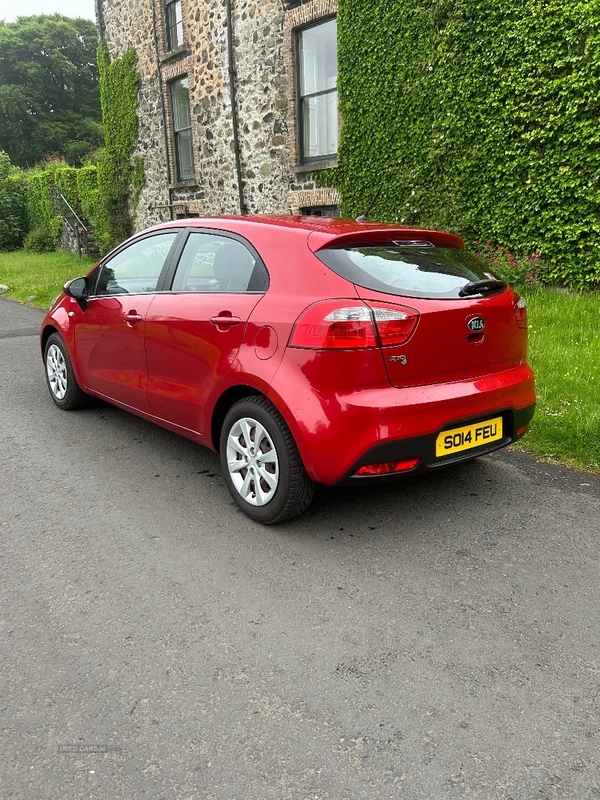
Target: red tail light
column 334, row 324
column 395, row 324
column 347, row 324
column 521, row 312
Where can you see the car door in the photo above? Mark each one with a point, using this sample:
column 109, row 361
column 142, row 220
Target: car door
column 194, row 332
column 109, row 336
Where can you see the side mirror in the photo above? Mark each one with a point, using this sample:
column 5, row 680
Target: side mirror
column 78, row 290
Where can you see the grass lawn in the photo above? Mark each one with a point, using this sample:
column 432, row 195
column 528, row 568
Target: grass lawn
column 564, row 350
column 39, row 274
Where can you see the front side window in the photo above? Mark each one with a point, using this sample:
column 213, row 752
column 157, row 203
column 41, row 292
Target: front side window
column 174, row 21
column 182, row 129
column 317, row 90
column 214, row 263
column 136, row 268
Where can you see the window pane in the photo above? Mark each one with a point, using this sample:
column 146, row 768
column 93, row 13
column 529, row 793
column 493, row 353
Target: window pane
column 318, row 58
column 174, row 25
column 318, row 99
column 180, row 95
column 211, row 263
column 320, row 211
column 320, row 125
column 137, row 268
column 180, row 101
column 185, row 159
column 408, row 271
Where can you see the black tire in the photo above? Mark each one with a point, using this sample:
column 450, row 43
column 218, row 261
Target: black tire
column 267, row 480
column 60, row 378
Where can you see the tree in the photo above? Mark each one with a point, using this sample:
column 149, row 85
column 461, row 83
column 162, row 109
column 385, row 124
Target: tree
column 49, row 91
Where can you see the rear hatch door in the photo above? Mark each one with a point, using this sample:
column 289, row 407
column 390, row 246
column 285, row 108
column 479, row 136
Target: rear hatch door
column 467, row 326
column 453, row 339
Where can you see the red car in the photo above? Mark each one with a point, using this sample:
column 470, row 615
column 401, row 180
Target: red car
column 302, row 349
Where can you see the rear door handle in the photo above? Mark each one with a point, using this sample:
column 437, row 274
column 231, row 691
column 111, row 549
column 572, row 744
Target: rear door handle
column 225, row 320
column 132, row 317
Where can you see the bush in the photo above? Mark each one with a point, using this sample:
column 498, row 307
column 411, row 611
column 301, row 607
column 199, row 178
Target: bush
column 65, row 178
column 523, row 274
column 102, row 191
column 43, row 240
column 118, row 176
column 89, row 195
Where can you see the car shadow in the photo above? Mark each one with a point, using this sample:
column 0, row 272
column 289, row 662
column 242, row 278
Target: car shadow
column 456, row 496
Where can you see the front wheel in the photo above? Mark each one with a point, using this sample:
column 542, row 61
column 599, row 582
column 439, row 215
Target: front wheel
column 60, row 377
column 261, row 463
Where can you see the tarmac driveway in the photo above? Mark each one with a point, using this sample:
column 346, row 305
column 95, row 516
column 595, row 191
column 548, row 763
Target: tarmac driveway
column 438, row 638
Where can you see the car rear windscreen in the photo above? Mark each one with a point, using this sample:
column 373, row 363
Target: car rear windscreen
column 413, row 270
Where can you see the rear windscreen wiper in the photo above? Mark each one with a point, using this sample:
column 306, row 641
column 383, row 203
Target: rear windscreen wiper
column 485, row 286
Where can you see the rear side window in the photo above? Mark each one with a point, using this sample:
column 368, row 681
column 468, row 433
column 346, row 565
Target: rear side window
column 405, row 270
column 214, row 263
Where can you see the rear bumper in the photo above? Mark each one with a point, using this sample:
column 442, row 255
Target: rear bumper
column 423, row 448
column 339, row 431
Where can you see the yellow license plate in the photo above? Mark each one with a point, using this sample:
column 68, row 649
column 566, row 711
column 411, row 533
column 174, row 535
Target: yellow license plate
column 458, row 439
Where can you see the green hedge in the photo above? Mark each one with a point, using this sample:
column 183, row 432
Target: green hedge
column 43, row 224
column 89, row 197
column 480, row 116
column 13, row 213
column 65, row 178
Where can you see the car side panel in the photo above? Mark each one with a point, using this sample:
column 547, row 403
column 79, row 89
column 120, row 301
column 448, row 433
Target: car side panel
column 188, row 354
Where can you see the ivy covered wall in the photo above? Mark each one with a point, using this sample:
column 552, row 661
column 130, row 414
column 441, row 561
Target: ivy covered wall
column 119, row 176
column 480, row 116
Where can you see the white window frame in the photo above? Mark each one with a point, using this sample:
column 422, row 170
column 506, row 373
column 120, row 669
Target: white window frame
column 317, row 105
column 182, row 133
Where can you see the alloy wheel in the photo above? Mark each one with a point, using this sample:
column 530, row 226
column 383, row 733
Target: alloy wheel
column 56, row 368
column 252, row 461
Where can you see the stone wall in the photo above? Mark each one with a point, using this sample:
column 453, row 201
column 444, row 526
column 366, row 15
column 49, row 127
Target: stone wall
column 68, row 239
column 262, row 104
column 273, row 181
column 126, row 24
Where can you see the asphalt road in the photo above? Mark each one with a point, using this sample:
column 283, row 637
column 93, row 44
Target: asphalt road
column 437, row 638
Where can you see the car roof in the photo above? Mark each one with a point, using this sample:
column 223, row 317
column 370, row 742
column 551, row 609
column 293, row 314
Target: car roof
column 320, row 232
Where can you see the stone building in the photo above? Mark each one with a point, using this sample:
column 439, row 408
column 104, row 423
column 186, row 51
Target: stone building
column 238, row 103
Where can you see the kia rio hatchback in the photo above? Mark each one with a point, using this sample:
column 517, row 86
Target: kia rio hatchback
column 303, row 350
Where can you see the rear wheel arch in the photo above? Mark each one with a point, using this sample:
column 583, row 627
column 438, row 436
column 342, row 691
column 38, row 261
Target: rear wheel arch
column 228, row 399
column 239, row 392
